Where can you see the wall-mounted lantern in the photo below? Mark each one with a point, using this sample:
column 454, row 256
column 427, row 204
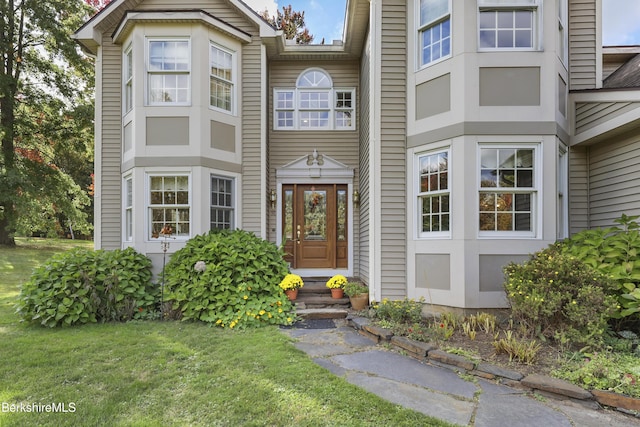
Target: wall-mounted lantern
column 273, row 197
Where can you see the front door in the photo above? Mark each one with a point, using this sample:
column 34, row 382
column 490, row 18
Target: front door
column 314, row 221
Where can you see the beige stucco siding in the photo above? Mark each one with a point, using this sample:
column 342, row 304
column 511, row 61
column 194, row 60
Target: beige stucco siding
column 613, row 180
column 393, row 124
column 110, row 195
column 252, row 114
column 583, row 44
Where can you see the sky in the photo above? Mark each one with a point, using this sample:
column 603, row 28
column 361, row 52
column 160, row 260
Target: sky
column 325, row 18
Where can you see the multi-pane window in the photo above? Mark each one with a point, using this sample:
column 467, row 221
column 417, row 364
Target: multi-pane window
column 563, row 34
column 128, row 209
column 221, row 79
column 168, row 70
column 434, row 194
column 128, row 80
column 222, row 202
column 507, row 189
column 169, row 208
column 314, row 104
column 507, row 24
column 434, row 30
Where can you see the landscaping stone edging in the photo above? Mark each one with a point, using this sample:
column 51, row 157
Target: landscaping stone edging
column 549, row 386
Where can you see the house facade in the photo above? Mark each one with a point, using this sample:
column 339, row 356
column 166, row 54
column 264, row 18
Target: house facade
column 436, row 142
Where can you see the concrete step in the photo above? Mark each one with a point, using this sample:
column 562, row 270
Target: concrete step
column 322, row 313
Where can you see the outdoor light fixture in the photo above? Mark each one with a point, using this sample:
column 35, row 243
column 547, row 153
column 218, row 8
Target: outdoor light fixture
column 273, row 196
column 356, row 198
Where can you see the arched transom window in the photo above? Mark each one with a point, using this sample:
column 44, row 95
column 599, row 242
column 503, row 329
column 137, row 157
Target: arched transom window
column 314, row 104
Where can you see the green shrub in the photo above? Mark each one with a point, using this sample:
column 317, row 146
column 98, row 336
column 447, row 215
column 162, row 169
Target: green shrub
column 229, row 278
column 557, row 296
column 615, row 252
column 83, row 286
column 399, row 311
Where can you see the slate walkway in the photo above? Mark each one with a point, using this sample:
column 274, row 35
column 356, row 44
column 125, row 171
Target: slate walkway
column 437, row 391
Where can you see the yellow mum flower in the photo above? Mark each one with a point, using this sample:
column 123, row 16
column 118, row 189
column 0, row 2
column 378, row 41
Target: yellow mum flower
column 245, row 297
column 262, row 312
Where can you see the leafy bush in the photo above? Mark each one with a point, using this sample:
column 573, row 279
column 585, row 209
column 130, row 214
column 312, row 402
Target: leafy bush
column 615, row 252
column 399, row 311
column 229, row 278
column 82, row 286
column 558, row 296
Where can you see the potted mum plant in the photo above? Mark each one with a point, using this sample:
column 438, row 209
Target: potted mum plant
column 290, row 284
column 358, row 295
column 336, row 284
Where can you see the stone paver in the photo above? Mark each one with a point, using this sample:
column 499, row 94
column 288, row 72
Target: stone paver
column 441, row 392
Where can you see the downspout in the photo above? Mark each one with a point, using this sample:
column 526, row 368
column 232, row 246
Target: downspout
column 263, row 141
column 375, row 181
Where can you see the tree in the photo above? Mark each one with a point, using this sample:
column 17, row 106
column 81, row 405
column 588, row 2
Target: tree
column 291, row 23
column 44, row 81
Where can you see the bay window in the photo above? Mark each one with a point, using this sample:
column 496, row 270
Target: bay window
column 508, row 190
column 169, row 205
column 433, row 194
column 222, row 203
column 434, row 30
column 221, row 79
column 168, row 72
column 508, row 24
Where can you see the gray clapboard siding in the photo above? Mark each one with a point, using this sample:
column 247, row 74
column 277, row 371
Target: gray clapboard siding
column 287, row 146
column 613, row 180
column 110, row 194
column 582, row 44
column 393, row 198
column 218, row 8
column 364, row 267
column 591, row 114
column 578, row 189
column 252, row 112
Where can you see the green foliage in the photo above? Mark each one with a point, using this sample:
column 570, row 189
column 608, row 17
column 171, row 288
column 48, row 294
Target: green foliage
column 615, row 252
column 608, row 370
column 353, row 289
column 84, row 286
column 517, row 349
column 399, row 311
column 558, row 296
column 229, row 278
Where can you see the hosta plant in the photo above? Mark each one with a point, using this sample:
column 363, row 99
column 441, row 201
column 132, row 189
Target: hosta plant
column 229, row 279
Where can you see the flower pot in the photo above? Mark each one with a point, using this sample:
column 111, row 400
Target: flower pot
column 359, row 302
column 292, row 294
column 337, row 293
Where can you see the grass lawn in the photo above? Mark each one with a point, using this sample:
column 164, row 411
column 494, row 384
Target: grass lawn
column 166, row 373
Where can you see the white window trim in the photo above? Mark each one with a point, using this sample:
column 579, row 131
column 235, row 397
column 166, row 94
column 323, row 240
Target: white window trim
column 563, row 32
column 418, row 194
column 127, row 83
column 420, row 28
column 333, row 109
column 148, row 206
column 126, row 208
column 535, row 6
column 535, row 191
column 148, row 72
column 233, row 81
column 234, row 199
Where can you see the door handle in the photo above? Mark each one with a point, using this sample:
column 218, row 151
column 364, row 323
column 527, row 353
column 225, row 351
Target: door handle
column 298, row 239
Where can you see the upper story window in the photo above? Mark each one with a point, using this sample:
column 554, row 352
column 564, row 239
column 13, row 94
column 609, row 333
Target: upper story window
column 434, row 30
column 563, row 34
column 221, row 78
column 434, row 194
column 508, row 24
column 168, row 72
column 508, row 190
column 128, row 79
column 314, row 104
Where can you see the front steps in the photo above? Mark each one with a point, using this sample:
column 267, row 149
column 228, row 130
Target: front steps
column 315, row 302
